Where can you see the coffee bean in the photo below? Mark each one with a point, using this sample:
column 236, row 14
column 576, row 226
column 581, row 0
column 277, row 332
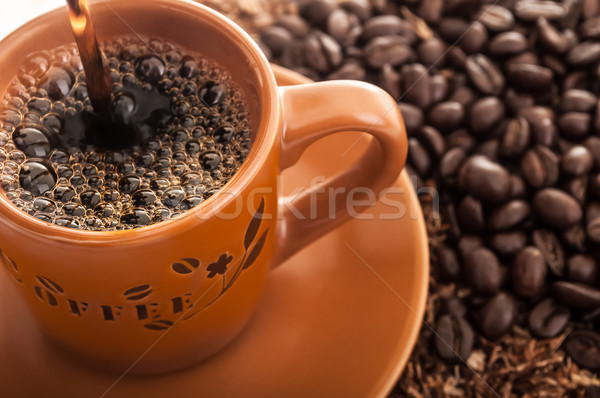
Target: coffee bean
column 509, row 243
column 431, row 10
column 392, row 50
column 453, row 306
column 452, row 29
column 530, row 76
column 496, row 18
column 548, row 318
column 439, row 88
column 323, row 53
column 509, row 215
column 460, row 139
column 485, row 179
column 389, row 80
column 388, row 25
column 416, row 85
column 508, row 43
column 360, row 8
column 451, row 162
column 582, row 268
column 550, row 37
column 575, row 125
column 446, row 115
column 431, row 52
column 528, row 272
column 517, row 101
column 596, row 121
column 574, row 238
column 590, row 29
column 540, row 167
column 351, row 70
column 556, row 208
column 418, row 157
column 485, row 114
column 553, row 253
column 584, row 53
column 293, row 54
column 276, row 38
column 433, row 142
column 474, row 38
column 449, row 214
column 578, row 101
column 456, row 57
column 343, row 26
column 316, row 11
column 293, row 24
column 590, row 8
column 468, row 244
column 497, row 316
column 484, row 74
column 446, row 264
column 584, row 347
column 482, row 271
column 518, row 188
column 576, row 187
column 470, row 214
column 592, row 215
column 555, row 65
column 516, row 137
column 464, row 96
column 413, row 117
column 576, row 295
column 454, row 338
column 530, row 10
column 593, row 145
column 577, row 161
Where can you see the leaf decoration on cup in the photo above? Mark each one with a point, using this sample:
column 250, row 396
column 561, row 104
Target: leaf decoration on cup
column 252, row 229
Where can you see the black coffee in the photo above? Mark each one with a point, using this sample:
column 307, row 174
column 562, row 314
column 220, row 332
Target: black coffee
column 178, row 130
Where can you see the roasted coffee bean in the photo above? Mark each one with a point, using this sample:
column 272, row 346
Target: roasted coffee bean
column 555, row 65
column 360, row 8
column 322, row 52
column 452, row 29
column 508, row 43
column 577, row 161
column 530, row 76
column 577, row 188
column 518, row 188
column 418, row 157
column 485, row 179
column 497, row 316
column 556, row 208
column 470, row 214
column 553, row 253
column 439, row 88
column 293, row 24
column 431, row 10
column 453, row 306
column 446, row 263
column 584, row 347
column 484, row 74
column 454, row 338
column 344, row 26
column 351, row 70
column 548, row 318
column 590, row 29
column 389, row 80
column 276, row 38
column 485, row 114
column 316, row 11
column 447, row 116
column 482, row 271
column 530, row 10
column 509, row 215
column 592, row 216
column 456, row 57
column 413, row 117
column 449, row 214
column 469, row 243
column 416, row 85
column 433, row 141
column 575, row 125
column 431, row 52
column 582, row 268
column 496, row 18
column 509, row 243
column 392, row 50
column 576, row 295
column 528, row 272
column 460, row 139
column 516, row 137
column 584, row 53
column 550, row 37
column 474, row 38
column 517, row 101
column 388, row 25
column 540, row 167
column 574, row 238
column 464, row 96
column 578, row 101
column 451, row 162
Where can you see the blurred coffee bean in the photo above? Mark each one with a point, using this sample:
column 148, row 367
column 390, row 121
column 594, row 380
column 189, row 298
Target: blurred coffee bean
column 582, row 268
column 388, row 25
column 556, row 208
column 530, row 76
column 528, row 272
column 553, row 253
column 464, row 96
column 439, row 88
column 526, row 58
column 316, row 11
column 484, row 74
column 452, row 29
column 413, row 117
column 540, row 167
column 518, row 189
column 576, row 187
column 584, row 347
column 590, row 8
column 448, row 213
column 482, row 271
column 575, row 238
column 446, row 116
column 485, row 114
column 418, row 157
column 389, row 80
column 446, row 264
column 555, row 65
column 517, row 101
column 516, row 137
column 496, row 18
column 360, row 8
column 451, row 162
column 584, row 53
column 392, row 50
column 489, row 149
column 578, row 101
column 416, row 85
column 576, row 80
column 468, row 244
column 575, row 125
column 351, row 70
column 276, row 38
column 432, row 52
column 474, row 38
column 293, row 54
column 431, row 10
column 293, row 24
column 485, row 179
column 550, row 37
column 507, row 43
column 460, row 139
column 453, row 306
column 470, row 214
column 577, row 161
column 576, row 295
column 454, row 338
column 323, row 53
column 456, row 57
column 530, row 10
column 509, row 215
column 497, row 316
column 433, row 142
column 548, row 318
column 344, row 26
column 509, row 243
column 592, row 218
column 590, row 29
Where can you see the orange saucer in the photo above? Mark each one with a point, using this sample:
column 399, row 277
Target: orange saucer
column 339, row 318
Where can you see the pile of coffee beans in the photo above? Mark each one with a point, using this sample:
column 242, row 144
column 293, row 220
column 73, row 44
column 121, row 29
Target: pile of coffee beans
column 178, row 131
column 500, row 100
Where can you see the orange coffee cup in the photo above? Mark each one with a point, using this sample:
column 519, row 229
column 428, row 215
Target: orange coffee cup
column 165, row 296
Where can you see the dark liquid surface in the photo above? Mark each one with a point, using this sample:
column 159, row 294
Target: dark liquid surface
column 177, row 132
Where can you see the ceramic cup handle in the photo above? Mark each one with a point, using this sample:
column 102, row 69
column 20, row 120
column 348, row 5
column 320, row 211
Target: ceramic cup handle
column 313, row 111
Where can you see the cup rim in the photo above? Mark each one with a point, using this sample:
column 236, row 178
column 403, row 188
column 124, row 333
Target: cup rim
column 256, row 159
